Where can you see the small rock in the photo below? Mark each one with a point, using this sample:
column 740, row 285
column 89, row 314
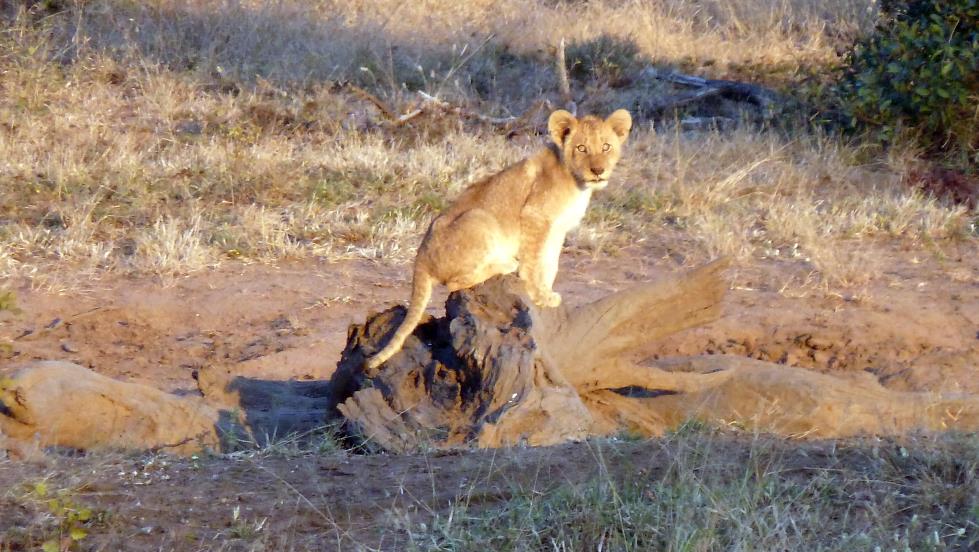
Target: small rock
column 68, row 347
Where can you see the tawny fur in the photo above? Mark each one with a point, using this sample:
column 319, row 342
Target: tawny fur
column 516, row 220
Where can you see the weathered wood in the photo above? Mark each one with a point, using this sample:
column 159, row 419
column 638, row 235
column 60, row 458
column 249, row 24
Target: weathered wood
column 494, row 371
column 497, row 371
column 761, row 97
column 563, row 83
column 432, row 105
column 60, row 404
column 587, row 342
column 734, row 90
column 475, row 375
column 679, row 100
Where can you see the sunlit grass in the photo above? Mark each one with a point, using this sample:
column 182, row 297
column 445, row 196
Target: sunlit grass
column 166, row 138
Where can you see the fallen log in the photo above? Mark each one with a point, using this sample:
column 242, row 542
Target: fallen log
column 733, row 90
column 675, row 101
column 761, row 97
column 784, row 400
column 497, row 371
column 60, row 404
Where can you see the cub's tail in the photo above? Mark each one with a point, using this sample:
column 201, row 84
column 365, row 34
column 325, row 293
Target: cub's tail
column 421, row 292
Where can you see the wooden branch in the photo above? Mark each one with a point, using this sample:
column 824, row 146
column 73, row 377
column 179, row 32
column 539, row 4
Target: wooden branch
column 430, row 104
column 735, row 90
column 564, row 84
column 445, row 106
column 63, row 404
column 681, row 99
column 760, row 96
column 385, row 110
column 594, row 334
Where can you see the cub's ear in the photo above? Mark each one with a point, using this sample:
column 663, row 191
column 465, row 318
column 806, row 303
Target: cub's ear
column 560, row 124
column 621, row 122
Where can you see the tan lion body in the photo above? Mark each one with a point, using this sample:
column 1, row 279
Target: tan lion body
column 517, row 219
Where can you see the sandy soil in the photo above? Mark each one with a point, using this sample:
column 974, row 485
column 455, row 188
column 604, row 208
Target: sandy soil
column 915, row 327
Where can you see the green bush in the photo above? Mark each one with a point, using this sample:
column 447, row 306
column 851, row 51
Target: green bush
column 605, row 58
column 918, row 74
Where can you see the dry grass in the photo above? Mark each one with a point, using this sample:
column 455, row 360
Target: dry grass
column 167, row 137
column 710, row 495
column 754, row 195
column 697, row 489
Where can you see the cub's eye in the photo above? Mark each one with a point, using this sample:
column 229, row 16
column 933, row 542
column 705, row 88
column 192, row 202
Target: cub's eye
column 582, row 149
column 606, row 147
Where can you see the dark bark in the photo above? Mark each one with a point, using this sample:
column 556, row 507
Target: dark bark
column 496, row 370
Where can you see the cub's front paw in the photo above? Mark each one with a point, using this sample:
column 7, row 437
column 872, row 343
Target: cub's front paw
column 549, row 299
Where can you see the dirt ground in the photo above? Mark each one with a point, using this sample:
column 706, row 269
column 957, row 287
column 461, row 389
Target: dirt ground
column 338, row 501
column 914, row 327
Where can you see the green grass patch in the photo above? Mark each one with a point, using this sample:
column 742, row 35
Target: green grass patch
column 717, row 493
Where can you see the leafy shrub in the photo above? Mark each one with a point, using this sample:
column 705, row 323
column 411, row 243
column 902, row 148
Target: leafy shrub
column 606, row 58
column 72, row 519
column 918, row 73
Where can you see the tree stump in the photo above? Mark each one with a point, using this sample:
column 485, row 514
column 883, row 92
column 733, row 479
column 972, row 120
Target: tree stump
column 498, row 371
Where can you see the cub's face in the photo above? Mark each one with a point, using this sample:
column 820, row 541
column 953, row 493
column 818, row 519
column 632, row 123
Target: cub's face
column 590, row 146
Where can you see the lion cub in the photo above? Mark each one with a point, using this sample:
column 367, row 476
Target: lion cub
column 516, row 220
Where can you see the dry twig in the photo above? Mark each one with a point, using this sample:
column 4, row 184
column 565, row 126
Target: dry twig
column 564, row 85
column 760, row 96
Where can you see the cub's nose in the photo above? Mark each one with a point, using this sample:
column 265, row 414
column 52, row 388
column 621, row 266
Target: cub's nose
column 598, row 170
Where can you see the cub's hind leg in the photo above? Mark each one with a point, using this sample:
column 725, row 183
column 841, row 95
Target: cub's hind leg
column 470, row 250
column 491, row 267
